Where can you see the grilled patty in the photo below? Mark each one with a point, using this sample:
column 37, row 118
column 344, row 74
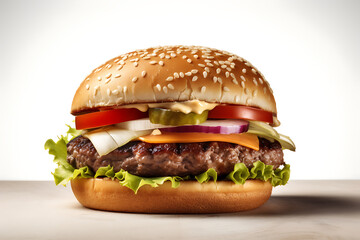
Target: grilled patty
column 173, row 159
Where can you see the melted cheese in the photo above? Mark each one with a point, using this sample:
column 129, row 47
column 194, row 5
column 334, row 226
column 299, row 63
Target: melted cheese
column 245, row 139
column 195, row 106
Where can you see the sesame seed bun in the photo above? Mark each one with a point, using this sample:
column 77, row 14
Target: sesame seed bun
column 174, row 73
column 189, row 197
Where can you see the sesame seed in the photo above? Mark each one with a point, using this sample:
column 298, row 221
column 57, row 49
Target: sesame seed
column 226, row 89
column 181, row 74
column 167, row 56
column 116, row 60
column 205, row 74
column 261, row 81
column 184, row 57
column 229, row 69
column 203, row 89
column 215, row 79
column 216, row 62
column 188, row 74
column 207, row 60
column 169, row 79
column 119, row 67
column 219, row 80
column 162, row 55
column 194, row 71
column 176, row 75
column 237, row 98
column 196, row 56
column 108, row 92
column 227, row 74
column 253, row 70
column 153, row 62
column 171, row 86
column 244, row 70
column 218, row 70
column 223, row 66
column 165, row 89
column 143, row 73
column 173, row 55
column 232, row 75
column 99, row 78
column 107, row 80
column 210, row 64
column 117, row 75
column 158, row 87
column 194, row 78
column 136, row 64
column 207, row 69
column 161, row 63
column 115, row 92
column 242, row 77
column 146, row 58
column 87, row 86
column 255, row 82
column 96, row 88
column 221, row 62
column 201, row 65
column 254, row 93
column 247, row 64
column 108, row 66
column 189, row 60
column 134, row 79
column 235, row 81
column 243, row 84
column 88, row 79
column 125, row 89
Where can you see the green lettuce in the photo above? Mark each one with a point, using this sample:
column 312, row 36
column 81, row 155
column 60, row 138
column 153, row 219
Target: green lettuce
column 66, row 172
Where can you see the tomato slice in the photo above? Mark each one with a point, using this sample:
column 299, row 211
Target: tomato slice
column 104, row 118
column 240, row 112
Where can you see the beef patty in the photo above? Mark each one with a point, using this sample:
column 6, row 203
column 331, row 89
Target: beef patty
column 173, row 159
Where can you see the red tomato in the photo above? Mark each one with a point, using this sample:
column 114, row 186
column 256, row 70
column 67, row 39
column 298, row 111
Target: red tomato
column 104, row 118
column 240, row 112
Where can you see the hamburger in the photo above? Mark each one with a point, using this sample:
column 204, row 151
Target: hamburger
column 173, row 129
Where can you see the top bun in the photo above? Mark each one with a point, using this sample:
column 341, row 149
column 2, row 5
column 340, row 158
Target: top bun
column 174, row 73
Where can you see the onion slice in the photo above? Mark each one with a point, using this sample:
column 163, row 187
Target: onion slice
column 213, row 126
column 209, row 126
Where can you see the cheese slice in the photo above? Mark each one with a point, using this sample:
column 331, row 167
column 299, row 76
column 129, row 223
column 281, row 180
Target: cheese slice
column 107, row 139
column 245, row 139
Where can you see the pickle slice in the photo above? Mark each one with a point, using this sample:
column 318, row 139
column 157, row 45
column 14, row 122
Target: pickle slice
column 168, row 117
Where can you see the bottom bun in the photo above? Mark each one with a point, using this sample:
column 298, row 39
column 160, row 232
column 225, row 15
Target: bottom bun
column 189, row 197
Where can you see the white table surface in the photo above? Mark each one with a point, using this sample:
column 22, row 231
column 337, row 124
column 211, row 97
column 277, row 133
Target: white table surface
column 300, row 210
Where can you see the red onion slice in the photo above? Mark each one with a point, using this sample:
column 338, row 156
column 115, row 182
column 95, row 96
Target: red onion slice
column 213, row 126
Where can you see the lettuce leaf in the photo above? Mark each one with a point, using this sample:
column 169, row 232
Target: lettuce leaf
column 66, row 172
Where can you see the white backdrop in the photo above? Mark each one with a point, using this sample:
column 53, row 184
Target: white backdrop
column 308, row 50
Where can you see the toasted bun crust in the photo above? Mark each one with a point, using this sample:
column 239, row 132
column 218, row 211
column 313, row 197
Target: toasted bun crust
column 173, row 73
column 189, row 197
